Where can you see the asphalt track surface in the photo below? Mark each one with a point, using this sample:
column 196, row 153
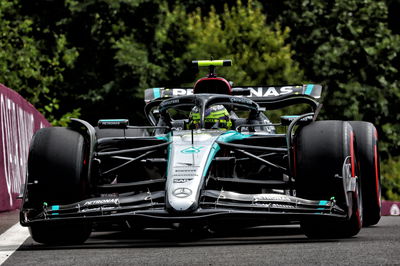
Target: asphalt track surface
column 284, row 245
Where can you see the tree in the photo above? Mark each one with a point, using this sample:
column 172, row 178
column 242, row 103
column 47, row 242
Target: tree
column 241, row 33
column 347, row 46
column 26, row 63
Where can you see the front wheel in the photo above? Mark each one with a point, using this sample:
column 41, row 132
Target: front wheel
column 57, row 174
column 325, row 165
column 60, row 234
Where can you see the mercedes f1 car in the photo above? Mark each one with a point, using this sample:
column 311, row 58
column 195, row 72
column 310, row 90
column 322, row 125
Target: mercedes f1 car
column 196, row 167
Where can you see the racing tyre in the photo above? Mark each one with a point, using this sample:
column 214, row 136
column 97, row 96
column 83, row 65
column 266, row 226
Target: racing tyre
column 323, row 150
column 60, row 234
column 367, row 149
column 57, row 175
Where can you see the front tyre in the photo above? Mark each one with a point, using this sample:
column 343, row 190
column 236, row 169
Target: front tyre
column 60, row 234
column 323, row 150
column 57, row 174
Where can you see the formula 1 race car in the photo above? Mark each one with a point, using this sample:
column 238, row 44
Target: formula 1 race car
column 210, row 158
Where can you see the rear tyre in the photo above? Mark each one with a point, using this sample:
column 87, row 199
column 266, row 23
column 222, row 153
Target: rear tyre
column 57, row 174
column 367, row 149
column 322, row 150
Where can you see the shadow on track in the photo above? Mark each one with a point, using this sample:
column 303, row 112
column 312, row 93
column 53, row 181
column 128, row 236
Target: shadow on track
column 167, row 237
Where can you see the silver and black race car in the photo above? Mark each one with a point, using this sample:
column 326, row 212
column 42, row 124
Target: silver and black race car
column 191, row 168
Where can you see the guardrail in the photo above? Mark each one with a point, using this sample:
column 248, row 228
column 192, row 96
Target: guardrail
column 19, row 120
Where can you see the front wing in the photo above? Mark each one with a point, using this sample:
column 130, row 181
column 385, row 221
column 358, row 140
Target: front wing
column 215, row 205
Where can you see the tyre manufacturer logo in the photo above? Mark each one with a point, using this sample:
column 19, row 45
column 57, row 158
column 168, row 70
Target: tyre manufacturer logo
column 182, row 192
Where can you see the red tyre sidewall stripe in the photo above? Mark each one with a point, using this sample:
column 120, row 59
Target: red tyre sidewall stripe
column 352, row 153
column 355, row 196
column 377, row 185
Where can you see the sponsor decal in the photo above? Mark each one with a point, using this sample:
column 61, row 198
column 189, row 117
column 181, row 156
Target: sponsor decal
column 102, row 209
column 101, row 202
column 274, row 205
column 182, row 180
column 271, row 198
column 182, row 192
column 186, row 165
column 240, row 100
column 394, row 210
column 184, row 170
column 182, row 92
column 271, row 91
column 191, row 150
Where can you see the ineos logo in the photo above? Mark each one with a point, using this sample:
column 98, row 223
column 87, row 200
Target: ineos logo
column 182, row 192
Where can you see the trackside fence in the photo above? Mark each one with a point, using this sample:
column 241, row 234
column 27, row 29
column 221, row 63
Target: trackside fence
column 19, row 120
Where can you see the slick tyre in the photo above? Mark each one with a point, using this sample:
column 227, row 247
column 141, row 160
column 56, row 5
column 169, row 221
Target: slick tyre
column 367, row 150
column 57, row 175
column 322, row 150
column 60, row 234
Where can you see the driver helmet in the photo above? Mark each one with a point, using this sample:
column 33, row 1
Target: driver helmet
column 216, row 117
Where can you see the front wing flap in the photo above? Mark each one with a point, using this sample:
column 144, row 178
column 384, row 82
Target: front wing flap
column 214, row 204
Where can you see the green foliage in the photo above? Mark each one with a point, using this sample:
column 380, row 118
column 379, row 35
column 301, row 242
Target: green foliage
column 26, row 63
column 258, row 49
column 347, row 46
column 390, row 173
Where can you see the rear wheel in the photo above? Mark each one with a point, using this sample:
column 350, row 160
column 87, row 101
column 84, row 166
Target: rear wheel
column 57, row 174
column 325, row 150
column 367, row 149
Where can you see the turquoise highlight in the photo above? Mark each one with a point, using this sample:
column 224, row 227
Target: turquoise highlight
column 166, row 137
column 228, row 136
column 56, row 213
column 156, row 93
column 232, row 135
column 112, row 120
column 55, row 207
column 290, row 116
column 309, row 89
column 323, row 202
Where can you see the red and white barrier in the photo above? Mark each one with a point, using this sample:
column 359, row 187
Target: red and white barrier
column 19, row 120
column 390, row 208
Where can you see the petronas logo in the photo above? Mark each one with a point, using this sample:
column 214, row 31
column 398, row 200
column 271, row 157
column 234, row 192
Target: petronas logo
column 192, row 149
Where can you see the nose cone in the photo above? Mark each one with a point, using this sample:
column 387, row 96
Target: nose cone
column 189, row 158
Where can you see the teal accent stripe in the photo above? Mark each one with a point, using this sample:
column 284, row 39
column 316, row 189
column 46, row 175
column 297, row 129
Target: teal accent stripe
column 323, row 202
column 228, row 136
column 113, row 120
column 232, row 135
column 55, row 207
column 309, row 89
column 56, row 213
column 156, row 92
column 290, row 116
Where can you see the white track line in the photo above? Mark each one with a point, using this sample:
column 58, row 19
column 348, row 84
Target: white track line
column 11, row 239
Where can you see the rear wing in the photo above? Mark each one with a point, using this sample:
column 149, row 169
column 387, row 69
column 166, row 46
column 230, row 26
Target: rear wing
column 257, row 94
